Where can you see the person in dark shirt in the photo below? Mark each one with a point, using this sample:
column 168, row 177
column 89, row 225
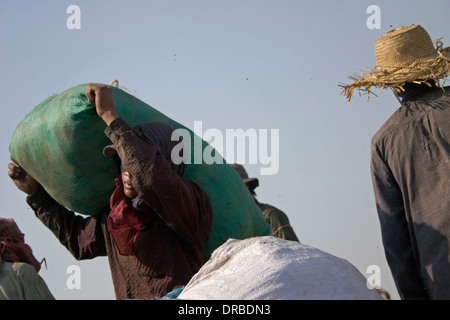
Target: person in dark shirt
column 155, row 230
column 410, row 161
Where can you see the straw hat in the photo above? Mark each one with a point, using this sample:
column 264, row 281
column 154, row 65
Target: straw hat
column 403, row 55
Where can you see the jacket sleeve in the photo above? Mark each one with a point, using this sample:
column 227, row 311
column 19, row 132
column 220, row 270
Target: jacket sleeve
column 394, row 229
column 183, row 205
column 83, row 237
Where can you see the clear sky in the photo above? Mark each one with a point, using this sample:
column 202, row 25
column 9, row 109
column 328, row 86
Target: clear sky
column 250, row 64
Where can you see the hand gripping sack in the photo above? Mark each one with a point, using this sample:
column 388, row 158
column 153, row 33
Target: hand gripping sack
column 60, row 143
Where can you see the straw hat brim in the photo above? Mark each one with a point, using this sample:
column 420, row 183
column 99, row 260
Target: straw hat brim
column 433, row 67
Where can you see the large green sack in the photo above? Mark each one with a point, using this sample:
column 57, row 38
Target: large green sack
column 60, row 143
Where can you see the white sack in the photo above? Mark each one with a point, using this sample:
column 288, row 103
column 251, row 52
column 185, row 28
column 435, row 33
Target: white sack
column 272, row 268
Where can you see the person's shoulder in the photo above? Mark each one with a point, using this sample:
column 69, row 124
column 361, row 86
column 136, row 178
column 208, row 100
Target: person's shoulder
column 394, row 121
column 410, row 111
column 17, row 268
column 23, row 268
column 7, row 266
column 269, row 209
column 385, row 129
column 264, row 206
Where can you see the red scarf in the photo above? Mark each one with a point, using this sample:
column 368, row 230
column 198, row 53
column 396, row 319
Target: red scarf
column 12, row 244
column 123, row 222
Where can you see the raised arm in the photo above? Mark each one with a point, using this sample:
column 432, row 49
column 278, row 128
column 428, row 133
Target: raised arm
column 83, row 237
column 183, row 205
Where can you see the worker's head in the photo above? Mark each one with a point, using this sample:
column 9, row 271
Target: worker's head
column 251, row 183
column 12, row 245
column 158, row 134
column 127, row 183
column 405, row 55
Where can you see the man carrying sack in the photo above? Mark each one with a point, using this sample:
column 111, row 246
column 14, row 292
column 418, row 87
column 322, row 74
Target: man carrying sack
column 410, row 160
column 155, row 229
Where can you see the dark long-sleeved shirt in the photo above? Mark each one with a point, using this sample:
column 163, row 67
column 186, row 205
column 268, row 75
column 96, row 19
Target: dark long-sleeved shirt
column 168, row 252
column 410, row 168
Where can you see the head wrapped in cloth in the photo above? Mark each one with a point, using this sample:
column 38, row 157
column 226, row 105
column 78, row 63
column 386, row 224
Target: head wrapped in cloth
column 159, row 134
column 12, row 245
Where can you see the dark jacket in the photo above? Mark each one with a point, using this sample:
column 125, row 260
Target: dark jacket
column 168, row 252
column 410, row 168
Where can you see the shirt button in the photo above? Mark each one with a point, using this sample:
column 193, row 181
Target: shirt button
column 115, row 127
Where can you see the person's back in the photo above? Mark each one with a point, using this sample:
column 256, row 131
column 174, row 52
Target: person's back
column 410, row 160
column 411, row 154
column 20, row 281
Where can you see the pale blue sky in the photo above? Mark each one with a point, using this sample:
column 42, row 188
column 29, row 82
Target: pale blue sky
column 231, row 64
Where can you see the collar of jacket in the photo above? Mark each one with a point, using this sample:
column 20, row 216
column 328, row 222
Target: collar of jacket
column 415, row 91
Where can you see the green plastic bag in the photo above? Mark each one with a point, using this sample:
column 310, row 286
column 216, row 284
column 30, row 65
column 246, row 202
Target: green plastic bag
column 60, row 143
